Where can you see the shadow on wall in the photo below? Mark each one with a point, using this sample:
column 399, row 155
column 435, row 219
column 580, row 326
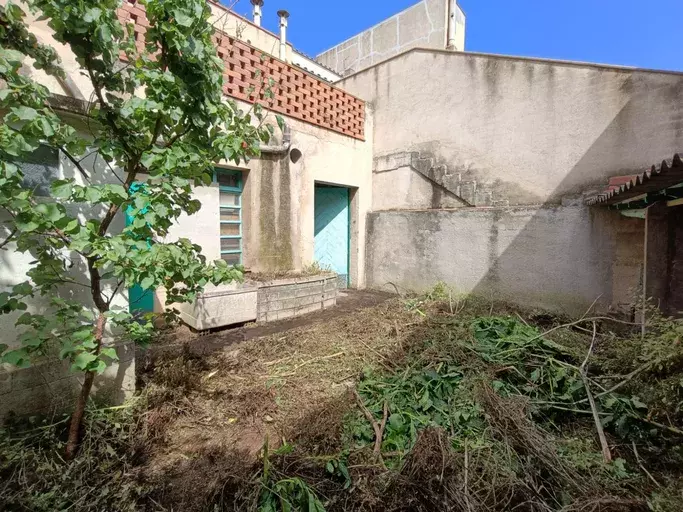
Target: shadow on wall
column 15, row 265
column 48, row 384
column 558, row 255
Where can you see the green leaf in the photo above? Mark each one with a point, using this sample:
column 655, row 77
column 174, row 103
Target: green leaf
column 82, row 360
column 119, row 190
column 110, row 353
column 17, row 358
column 147, row 283
column 92, row 14
column 182, row 18
column 93, row 195
column 53, row 212
column 24, row 113
column 23, row 289
column 26, row 223
column 61, row 188
column 100, row 367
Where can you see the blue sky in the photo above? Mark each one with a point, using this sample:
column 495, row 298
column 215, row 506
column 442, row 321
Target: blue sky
column 626, row 32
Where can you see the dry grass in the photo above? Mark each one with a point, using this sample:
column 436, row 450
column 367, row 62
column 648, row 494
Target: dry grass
column 211, row 418
column 292, row 386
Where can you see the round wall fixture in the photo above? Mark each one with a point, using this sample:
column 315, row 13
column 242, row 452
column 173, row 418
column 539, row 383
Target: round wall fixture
column 295, row 155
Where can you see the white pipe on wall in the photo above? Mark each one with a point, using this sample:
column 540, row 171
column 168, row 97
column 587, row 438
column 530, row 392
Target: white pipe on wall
column 452, row 9
column 258, row 12
column 284, row 15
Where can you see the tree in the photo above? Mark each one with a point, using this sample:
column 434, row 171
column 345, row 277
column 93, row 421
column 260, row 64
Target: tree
column 158, row 116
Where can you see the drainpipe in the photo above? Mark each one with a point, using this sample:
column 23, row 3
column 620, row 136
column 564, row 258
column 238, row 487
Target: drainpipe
column 452, row 9
column 258, row 4
column 283, row 148
column 283, row 34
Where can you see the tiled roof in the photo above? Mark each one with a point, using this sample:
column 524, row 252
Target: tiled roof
column 622, row 188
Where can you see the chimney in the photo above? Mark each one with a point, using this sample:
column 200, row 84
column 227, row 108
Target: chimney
column 258, row 4
column 283, row 34
column 452, row 9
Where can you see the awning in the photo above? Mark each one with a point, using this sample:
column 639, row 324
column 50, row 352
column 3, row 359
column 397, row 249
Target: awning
column 621, row 189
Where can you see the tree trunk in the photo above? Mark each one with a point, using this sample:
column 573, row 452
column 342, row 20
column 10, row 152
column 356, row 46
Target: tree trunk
column 77, row 416
column 79, row 411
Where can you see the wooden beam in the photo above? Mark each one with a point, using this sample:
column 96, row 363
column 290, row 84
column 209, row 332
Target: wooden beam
column 675, row 202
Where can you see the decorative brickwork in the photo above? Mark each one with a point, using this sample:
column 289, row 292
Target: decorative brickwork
column 248, row 72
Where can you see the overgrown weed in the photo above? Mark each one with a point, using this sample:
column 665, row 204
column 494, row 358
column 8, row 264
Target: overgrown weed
column 35, row 477
column 486, row 410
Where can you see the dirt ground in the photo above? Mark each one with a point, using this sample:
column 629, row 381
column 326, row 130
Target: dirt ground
column 200, row 344
column 385, row 403
column 276, row 382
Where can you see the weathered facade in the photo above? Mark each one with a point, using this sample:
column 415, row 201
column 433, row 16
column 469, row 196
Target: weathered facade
column 491, row 158
column 422, row 165
column 436, row 24
column 325, row 142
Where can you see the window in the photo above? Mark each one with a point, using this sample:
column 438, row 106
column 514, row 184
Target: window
column 230, row 189
column 40, row 168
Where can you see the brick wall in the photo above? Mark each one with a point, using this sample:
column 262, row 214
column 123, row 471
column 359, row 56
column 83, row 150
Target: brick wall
column 296, row 94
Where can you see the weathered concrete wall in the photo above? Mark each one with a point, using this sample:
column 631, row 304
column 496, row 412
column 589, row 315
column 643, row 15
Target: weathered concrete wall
column 279, row 198
column 548, row 257
column 48, row 383
column 522, row 131
column 422, row 25
column 288, row 298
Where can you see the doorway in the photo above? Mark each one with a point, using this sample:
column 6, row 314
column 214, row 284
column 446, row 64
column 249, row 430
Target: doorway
column 333, row 230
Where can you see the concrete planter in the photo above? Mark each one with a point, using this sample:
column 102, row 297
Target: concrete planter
column 287, row 298
column 279, row 299
column 220, row 306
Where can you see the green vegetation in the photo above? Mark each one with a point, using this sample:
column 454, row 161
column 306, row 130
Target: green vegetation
column 461, row 405
column 170, row 137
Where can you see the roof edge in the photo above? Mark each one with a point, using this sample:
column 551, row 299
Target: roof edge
column 622, row 188
column 538, row 60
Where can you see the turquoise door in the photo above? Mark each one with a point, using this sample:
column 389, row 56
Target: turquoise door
column 139, row 300
column 332, row 230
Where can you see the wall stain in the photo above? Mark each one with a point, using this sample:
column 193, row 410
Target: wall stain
column 275, row 237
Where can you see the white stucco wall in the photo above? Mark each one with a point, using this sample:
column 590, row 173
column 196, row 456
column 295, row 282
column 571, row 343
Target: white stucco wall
column 554, row 258
column 525, row 131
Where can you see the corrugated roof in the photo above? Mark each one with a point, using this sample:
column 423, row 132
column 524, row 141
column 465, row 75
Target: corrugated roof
column 657, row 178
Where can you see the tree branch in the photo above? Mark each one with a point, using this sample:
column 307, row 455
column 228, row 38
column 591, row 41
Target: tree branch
column 113, row 294
column 177, row 136
column 606, row 453
column 9, row 238
column 96, row 286
column 77, row 163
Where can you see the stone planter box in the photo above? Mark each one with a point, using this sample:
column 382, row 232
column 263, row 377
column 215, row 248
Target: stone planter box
column 220, row 306
column 287, row 298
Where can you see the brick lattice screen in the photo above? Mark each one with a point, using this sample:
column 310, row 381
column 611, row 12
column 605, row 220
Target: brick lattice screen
column 295, row 93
